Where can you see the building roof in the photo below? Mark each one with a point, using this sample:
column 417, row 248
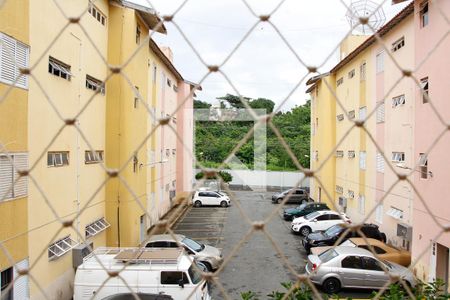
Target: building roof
column 409, row 9
column 313, row 80
column 166, row 61
column 147, row 14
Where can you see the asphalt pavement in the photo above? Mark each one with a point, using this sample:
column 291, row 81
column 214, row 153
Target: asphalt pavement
column 256, row 266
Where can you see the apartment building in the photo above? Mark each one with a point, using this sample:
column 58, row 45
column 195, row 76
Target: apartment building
column 14, row 148
column 365, row 85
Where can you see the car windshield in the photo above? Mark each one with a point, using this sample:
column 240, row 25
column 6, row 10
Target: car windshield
column 286, row 192
column 328, row 255
column 195, row 275
column 301, row 207
column 312, row 215
column 193, row 244
column 333, row 230
column 348, row 243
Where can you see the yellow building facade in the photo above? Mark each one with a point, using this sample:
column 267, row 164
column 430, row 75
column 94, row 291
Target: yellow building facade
column 14, row 54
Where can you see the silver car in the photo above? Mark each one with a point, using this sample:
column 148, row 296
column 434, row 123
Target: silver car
column 349, row 267
column 209, row 256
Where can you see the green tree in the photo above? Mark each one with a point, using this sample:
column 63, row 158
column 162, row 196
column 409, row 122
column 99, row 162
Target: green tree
column 263, row 103
column 198, row 104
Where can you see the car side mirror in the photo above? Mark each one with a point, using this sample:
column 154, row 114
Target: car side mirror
column 181, row 283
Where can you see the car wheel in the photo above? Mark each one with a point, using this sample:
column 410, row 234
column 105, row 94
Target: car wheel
column 202, row 266
column 305, row 230
column 207, row 266
column 279, row 200
column 224, row 204
column 331, row 285
column 197, row 203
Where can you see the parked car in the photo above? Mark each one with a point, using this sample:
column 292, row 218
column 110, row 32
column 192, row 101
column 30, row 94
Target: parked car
column 202, row 198
column 140, row 296
column 318, row 220
column 383, row 251
column 207, row 255
column 146, row 271
column 332, row 234
column 352, row 267
column 298, row 195
column 302, row 210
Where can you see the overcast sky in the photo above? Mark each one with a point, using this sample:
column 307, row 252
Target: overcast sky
column 263, row 66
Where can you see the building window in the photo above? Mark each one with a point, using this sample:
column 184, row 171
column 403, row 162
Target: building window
column 96, row 227
column 380, row 162
column 174, row 120
column 97, row 14
column 340, row 117
column 351, row 115
column 6, row 281
column 380, row 62
column 175, row 88
column 60, row 247
column 59, row 68
column 362, row 160
column 351, row 74
column 340, row 81
column 167, row 187
column 339, row 153
column 11, row 184
column 424, row 89
column 361, row 204
column 154, row 72
column 351, row 194
column 395, row 213
column 362, row 113
column 379, row 213
column 424, row 18
column 423, row 165
column 138, row 34
column 380, row 112
column 397, row 45
column 339, row 189
column 316, row 155
column 167, row 152
column 92, row 157
column 399, row 100
column 398, row 156
column 169, row 82
column 136, row 97
column 13, row 56
column 135, row 163
column 174, row 151
column 362, row 72
column 174, row 183
column 57, row 159
column 95, row 84
column 351, row 154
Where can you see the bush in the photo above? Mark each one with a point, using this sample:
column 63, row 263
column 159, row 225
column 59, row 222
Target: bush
column 226, row 177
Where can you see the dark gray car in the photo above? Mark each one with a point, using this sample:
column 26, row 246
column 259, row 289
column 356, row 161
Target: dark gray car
column 298, row 195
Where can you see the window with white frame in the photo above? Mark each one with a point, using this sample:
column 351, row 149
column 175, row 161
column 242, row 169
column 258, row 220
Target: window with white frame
column 58, row 68
column 11, row 184
column 380, row 112
column 380, row 163
column 363, row 113
column 97, row 14
column 340, row 117
column 362, row 71
column 424, row 89
column 95, row 84
column 339, row 153
column 423, row 165
column 96, row 227
column 424, row 14
column 340, row 81
column 351, row 74
column 361, row 204
column 379, row 213
column 351, row 194
column 57, row 158
column 398, row 44
column 92, row 157
column 351, row 115
column 395, row 213
column 399, row 100
column 362, row 160
column 14, row 56
column 339, row 189
column 351, row 154
column 379, row 59
column 398, row 156
column 60, row 247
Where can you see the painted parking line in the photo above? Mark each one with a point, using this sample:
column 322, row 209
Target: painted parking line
column 198, row 230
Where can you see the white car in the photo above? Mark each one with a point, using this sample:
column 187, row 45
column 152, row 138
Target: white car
column 318, row 220
column 210, row 198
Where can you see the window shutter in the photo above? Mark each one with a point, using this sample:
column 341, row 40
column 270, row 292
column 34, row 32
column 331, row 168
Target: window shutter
column 21, row 290
column 21, row 186
column 380, row 113
column 380, row 163
column 6, row 178
column 22, row 54
column 7, row 59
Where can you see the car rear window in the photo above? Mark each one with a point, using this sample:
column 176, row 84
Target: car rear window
column 327, row 255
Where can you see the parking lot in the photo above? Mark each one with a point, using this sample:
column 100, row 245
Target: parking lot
column 257, row 265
